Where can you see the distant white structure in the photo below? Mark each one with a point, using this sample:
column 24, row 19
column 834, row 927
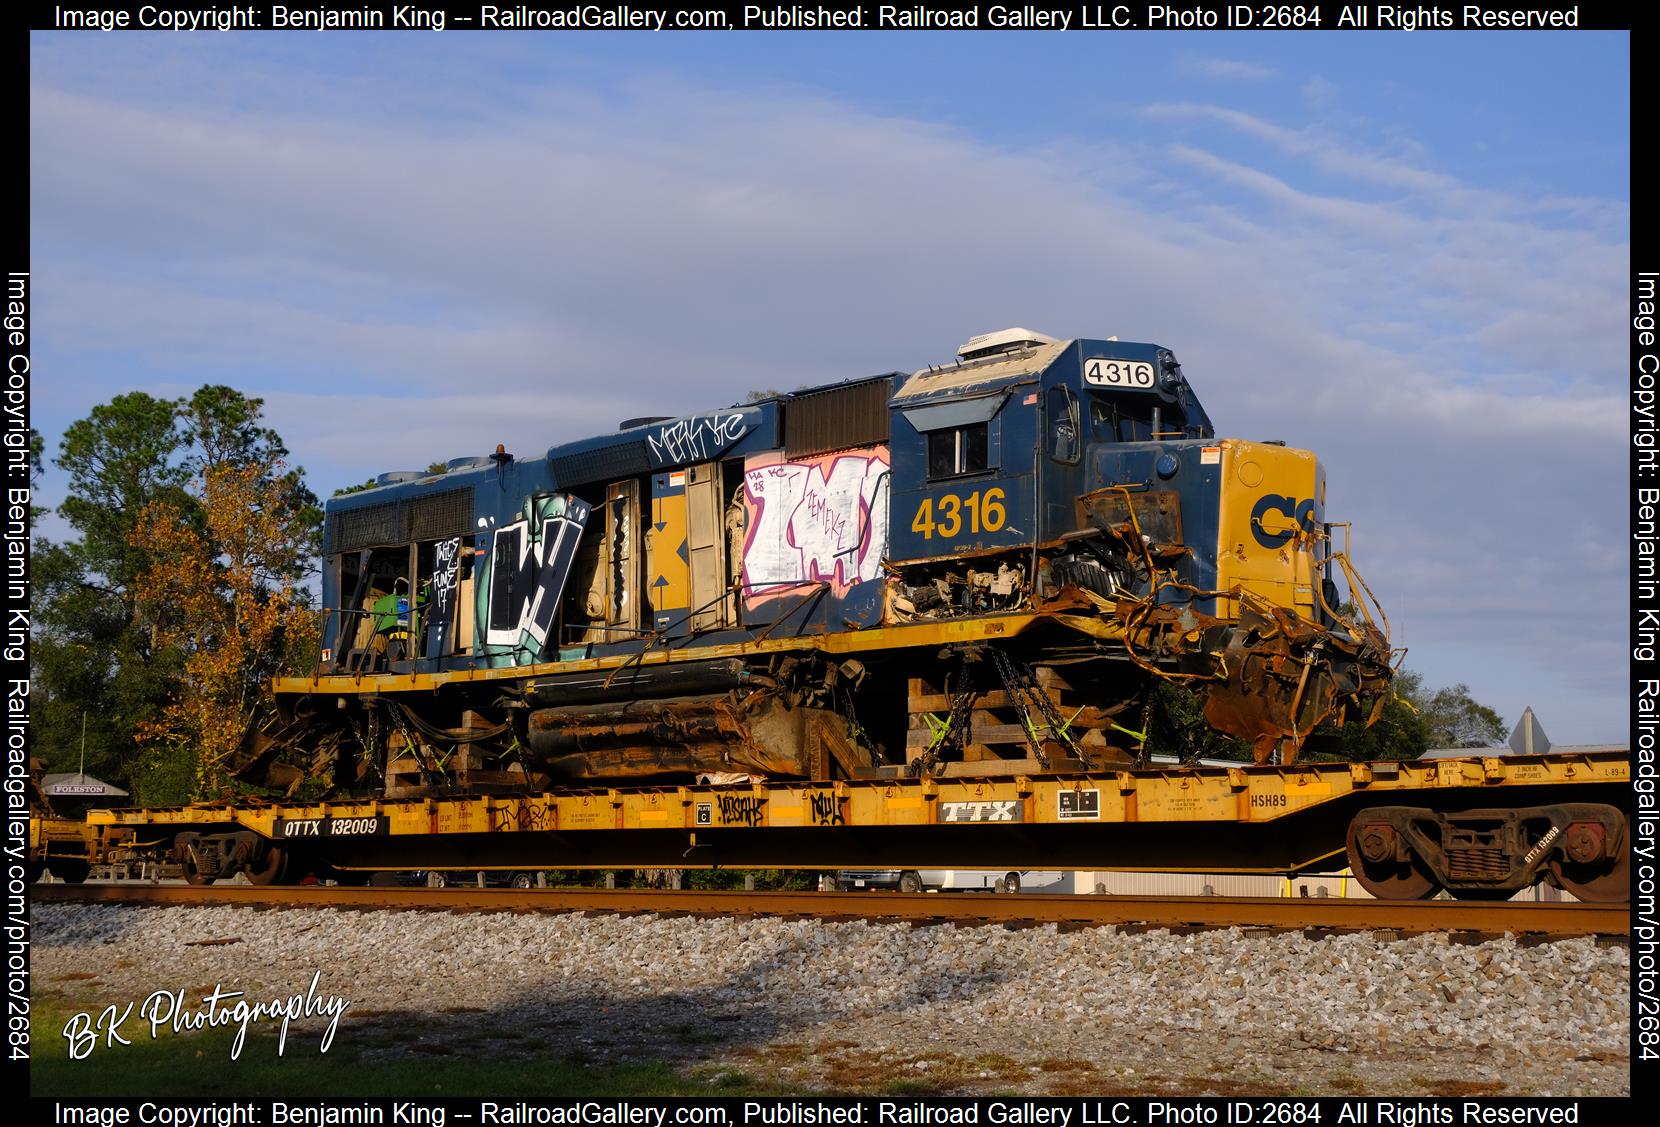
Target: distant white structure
column 1529, row 738
column 79, row 784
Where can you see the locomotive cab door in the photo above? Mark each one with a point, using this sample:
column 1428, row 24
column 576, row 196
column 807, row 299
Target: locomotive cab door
column 687, row 549
column 623, row 555
column 711, row 596
column 601, row 603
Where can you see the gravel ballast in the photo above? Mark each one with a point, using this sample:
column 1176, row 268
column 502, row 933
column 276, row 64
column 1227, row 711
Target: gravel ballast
column 837, row 1006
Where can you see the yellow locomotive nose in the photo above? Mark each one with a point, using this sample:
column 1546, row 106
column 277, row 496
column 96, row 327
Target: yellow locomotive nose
column 1294, row 659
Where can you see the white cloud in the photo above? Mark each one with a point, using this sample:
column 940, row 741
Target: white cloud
column 1232, row 70
column 1320, row 92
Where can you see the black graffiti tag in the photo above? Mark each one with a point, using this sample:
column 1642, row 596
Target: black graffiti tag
column 827, row 811
column 534, row 816
column 741, row 808
column 446, row 571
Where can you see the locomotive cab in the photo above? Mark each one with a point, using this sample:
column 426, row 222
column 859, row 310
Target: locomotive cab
column 1033, row 467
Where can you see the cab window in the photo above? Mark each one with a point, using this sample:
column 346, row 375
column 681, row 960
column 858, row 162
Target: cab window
column 1065, row 437
column 956, row 451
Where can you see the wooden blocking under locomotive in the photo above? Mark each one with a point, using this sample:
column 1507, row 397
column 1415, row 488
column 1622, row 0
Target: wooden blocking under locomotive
column 468, row 767
column 759, row 733
column 1000, row 726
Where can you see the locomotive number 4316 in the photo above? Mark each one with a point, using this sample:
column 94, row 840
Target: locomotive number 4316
column 979, row 512
column 1125, row 375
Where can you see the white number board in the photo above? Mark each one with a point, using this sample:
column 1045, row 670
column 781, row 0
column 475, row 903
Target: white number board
column 1125, row 375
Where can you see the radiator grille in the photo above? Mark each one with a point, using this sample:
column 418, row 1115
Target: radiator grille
column 838, row 418
column 368, row 527
column 611, row 463
column 436, row 516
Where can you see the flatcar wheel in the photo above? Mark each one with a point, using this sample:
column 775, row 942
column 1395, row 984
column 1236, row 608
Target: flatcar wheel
column 187, row 858
column 1387, row 879
column 271, row 872
column 1607, row 881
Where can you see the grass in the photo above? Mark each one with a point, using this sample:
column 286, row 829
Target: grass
column 200, row 1064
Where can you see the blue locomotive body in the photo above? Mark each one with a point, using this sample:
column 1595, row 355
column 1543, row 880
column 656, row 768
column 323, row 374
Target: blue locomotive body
column 710, row 528
column 1070, row 492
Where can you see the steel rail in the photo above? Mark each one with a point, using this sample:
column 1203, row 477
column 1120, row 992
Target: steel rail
column 1294, row 913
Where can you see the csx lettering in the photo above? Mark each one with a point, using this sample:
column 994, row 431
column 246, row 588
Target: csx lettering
column 744, row 808
column 1299, row 513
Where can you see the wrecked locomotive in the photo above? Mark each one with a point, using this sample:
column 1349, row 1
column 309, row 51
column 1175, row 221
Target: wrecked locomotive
column 978, row 568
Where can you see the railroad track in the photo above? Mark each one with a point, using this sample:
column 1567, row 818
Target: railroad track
column 1283, row 913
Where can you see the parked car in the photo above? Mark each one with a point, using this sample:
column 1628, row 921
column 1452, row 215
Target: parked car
column 953, row 880
column 461, row 878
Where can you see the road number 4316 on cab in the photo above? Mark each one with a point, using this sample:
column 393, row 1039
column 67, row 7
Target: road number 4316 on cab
column 980, row 511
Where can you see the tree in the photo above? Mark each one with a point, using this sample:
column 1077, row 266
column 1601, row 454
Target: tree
column 119, row 459
column 1398, row 733
column 92, row 659
column 221, row 426
column 1178, row 726
column 102, row 646
column 37, row 454
column 225, row 597
column 1453, row 719
column 1415, row 719
column 374, row 482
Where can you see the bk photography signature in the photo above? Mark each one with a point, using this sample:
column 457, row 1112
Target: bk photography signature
column 167, row 1009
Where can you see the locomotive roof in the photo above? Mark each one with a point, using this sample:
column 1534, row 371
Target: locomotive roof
column 658, row 443
column 969, row 376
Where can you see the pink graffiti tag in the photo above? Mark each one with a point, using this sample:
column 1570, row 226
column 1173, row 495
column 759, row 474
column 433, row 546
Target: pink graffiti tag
column 818, row 520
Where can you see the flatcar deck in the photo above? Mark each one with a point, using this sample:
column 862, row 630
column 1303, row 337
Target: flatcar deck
column 1222, row 819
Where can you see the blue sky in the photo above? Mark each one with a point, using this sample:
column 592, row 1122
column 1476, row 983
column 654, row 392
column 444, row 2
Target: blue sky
column 1406, row 252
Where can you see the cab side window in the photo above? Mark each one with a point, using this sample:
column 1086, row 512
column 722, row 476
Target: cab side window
column 956, row 451
column 1065, row 426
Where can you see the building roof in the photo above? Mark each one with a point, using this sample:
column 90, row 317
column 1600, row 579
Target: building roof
column 1481, row 752
column 78, row 785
